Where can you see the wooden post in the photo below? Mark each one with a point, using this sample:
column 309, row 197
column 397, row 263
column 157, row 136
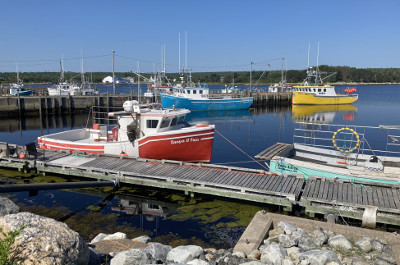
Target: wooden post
column 19, row 104
column 40, row 114
column 108, row 102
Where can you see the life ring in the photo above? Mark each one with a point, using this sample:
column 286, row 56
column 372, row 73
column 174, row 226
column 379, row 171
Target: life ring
column 340, row 149
column 191, row 84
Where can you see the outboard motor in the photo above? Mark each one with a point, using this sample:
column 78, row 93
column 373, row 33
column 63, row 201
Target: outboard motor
column 131, row 106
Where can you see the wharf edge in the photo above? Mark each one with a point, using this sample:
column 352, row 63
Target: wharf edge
column 288, row 191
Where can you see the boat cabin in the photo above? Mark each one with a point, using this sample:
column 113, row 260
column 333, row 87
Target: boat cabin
column 191, row 91
column 325, row 90
column 136, row 122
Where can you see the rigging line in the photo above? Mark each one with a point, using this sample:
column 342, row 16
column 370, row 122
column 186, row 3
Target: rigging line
column 55, row 60
column 242, row 150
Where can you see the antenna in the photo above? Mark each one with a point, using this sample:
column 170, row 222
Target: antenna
column 318, row 56
column 186, row 65
column 179, row 69
column 308, row 61
column 164, row 58
column 138, row 70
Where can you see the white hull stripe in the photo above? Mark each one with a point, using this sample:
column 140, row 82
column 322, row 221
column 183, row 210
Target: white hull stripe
column 74, row 148
column 174, row 138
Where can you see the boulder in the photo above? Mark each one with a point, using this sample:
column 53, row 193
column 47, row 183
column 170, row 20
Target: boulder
column 184, row 254
column 274, row 233
column 339, row 241
column 45, row 241
column 254, row 262
column 143, row 239
column 274, row 254
column 319, row 237
column 255, row 254
column 158, row 251
column 130, row 257
column 98, row 238
column 377, row 246
column 197, row 262
column 7, row 206
column 319, row 257
column 364, row 244
column 287, row 241
column 239, row 254
column 306, row 244
column 288, row 228
column 117, row 235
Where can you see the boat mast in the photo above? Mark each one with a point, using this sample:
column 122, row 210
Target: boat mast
column 282, row 70
column 82, row 74
column 113, row 77
column 138, row 70
column 61, row 71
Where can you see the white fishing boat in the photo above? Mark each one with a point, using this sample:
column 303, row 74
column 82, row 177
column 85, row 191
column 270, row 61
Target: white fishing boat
column 139, row 131
column 361, row 154
column 282, row 86
column 18, row 87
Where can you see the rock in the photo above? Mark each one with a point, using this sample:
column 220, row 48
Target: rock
column 117, row 245
column 333, row 263
column 274, row 254
column 319, row 237
column 294, row 257
column 287, row 262
column 209, row 256
column 377, row 246
column 184, row 254
column 339, row 241
column 143, row 239
column 7, row 206
column 306, row 244
column 383, row 260
column 114, row 236
column 254, row 262
column 158, row 251
column 255, row 254
column 94, row 258
column 98, row 238
column 197, row 262
column 239, row 254
column 45, row 241
column 287, row 241
column 210, row 250
column 293, row 250
column 364, row 244
column 287, row 228
column 130, row 257
column 274, row 233
column 319, row 257
column 358, row 261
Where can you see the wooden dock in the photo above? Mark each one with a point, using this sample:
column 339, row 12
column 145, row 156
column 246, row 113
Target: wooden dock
column 315, row 196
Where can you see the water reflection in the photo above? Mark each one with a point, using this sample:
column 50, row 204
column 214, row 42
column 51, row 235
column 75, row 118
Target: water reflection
column 322, row 114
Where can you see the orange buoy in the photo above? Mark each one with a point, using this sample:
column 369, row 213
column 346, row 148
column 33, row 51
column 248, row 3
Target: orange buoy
column 21, row 156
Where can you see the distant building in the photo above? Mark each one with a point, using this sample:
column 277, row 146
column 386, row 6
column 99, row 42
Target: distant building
column 118, row 80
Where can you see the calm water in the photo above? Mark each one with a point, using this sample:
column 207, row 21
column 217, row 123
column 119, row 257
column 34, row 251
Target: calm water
column 208, row 219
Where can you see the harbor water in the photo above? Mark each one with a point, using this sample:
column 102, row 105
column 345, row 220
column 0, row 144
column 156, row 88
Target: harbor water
column 240, row 135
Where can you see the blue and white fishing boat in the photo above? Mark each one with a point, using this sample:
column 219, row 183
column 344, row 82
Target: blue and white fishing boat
column 197, row 98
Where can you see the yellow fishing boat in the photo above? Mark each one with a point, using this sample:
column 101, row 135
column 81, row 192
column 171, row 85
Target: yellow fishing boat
column 319, row 94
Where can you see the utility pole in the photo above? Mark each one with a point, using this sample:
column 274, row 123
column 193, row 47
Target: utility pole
column 113, row 77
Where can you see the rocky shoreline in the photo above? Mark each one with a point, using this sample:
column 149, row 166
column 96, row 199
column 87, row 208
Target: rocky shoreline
column 46, row 241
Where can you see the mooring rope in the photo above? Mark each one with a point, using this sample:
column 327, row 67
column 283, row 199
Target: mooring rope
column 266, row 167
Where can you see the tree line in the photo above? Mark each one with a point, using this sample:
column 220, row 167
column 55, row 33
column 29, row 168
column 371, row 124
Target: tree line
column 344, row 74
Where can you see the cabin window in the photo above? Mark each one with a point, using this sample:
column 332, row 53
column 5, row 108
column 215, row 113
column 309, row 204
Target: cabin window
column 324, row 89
column 153, row 206
column 152, row 123
column 181, row 119
column 187, row 91
column 174, row 121
column 200, row 91
column 165, row 123
column 194, row 91
column 313, row 89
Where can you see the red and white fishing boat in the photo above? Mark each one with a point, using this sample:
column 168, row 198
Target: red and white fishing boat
column 140, row 132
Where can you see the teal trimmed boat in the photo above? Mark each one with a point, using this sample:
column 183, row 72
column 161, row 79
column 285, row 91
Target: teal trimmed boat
column 342, row 152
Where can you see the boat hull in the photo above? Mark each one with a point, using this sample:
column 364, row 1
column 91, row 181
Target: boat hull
column 170, row 101
column 190, row 146
column 289, row 166
column 302, row 98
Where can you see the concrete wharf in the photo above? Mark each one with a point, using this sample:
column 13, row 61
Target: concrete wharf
column 43, row 104
column 370, row 203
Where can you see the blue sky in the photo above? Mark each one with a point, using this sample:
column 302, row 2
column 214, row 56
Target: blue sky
column 222, row 35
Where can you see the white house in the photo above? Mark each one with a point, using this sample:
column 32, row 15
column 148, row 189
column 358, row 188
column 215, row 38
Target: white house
column 118, row 80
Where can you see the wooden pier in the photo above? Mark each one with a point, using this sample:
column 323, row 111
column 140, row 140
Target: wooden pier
column 316, row 196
